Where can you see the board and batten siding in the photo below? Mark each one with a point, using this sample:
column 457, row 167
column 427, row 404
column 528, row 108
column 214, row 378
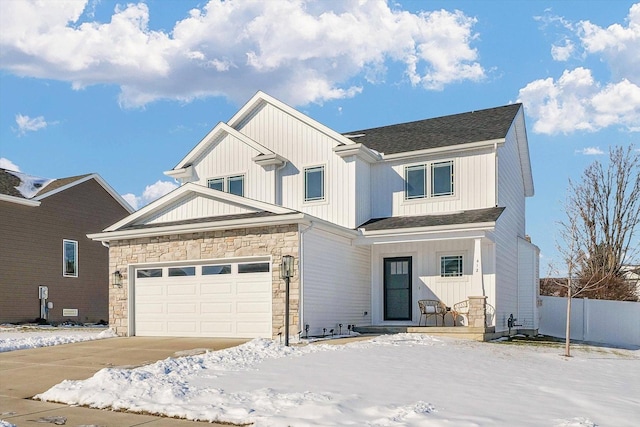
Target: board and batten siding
column 305, row 146
column 529, row 284
column 510, row 226
column 196, row 206
column 474, row 185
column 336, row 285
column 229, row 156
column 426, row 280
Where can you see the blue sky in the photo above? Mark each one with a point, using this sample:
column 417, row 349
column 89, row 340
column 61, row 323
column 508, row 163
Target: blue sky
column 127, row 89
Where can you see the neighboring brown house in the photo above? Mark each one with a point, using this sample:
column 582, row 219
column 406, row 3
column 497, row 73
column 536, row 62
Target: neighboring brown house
column 43, row 242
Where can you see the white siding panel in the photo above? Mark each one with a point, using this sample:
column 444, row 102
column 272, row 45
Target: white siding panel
column 509, row 227
column 195, row 206
column 304, row 146
column 528, row 285
column 336, row 282
column 474, row 186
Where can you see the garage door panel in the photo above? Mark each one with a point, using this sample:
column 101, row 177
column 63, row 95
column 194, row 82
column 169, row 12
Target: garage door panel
column 223, row 305
column 182, row 289
column 182, row 308
column 150, row 308
column 216, row 288
column 253, row 307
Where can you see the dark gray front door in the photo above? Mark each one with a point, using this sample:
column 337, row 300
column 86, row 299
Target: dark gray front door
column 397, row 288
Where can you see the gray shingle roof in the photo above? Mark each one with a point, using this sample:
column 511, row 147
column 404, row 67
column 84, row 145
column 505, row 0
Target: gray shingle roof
column 474, row 126
column 466, row 217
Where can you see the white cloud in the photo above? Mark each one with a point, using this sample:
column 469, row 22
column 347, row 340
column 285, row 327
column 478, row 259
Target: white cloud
column 8, row 164
column 151, row 192
column 591, row 151
column 562, row 53
column 298, row 51
column 576, row 101
column 28, row 124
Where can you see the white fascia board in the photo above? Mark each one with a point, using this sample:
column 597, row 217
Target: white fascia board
column 523, row 153
column 100, row 181
column 448, row 148
column 263, row 97
column 18, row 200
column 359, row 150
column 197, row 227
column 418, row 234
column 192, row 188
column 219, row 129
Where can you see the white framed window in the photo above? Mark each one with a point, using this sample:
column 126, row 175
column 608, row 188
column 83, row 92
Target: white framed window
column 442, row 179
column 235, row 185
column 69, row 258
column 216, row 183
column 415, row 178
column 433, row 179
column 451, row 265
column 314, row 183
column 230, row 184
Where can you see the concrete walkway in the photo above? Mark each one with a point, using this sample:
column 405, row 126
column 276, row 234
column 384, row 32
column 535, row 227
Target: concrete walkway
column 25, row 373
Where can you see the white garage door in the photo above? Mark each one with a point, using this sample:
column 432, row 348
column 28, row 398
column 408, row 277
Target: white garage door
column 210, row 300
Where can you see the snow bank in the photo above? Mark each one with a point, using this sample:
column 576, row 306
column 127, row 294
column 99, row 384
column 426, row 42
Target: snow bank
column 396, row 380
column 20, row 338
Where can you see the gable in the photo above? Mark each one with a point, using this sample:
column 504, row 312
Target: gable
column 192, row 202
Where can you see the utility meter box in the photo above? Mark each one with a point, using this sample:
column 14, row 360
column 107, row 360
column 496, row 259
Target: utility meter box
column 43, row 292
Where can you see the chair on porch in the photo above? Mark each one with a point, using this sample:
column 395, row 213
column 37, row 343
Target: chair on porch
column 431, row 307
column 462, row 309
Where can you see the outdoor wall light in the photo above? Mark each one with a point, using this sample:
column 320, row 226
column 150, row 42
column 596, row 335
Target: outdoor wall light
column 116, row 278
column 286, row 269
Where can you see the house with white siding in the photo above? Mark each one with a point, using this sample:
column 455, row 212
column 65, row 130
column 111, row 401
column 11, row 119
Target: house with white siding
column 376, row 220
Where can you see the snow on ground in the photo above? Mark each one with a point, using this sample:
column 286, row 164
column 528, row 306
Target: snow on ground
column 23, row 337
column 394, row 380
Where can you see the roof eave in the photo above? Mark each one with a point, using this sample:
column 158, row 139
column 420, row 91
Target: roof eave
column 197, row 228
column 449, row 148
column 19, row 200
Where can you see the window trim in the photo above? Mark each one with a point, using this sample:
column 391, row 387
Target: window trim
column 225, row 182
column 323, row 184
column 75, row 258
column 451, row 178
column 428, row 170
column 442, row 256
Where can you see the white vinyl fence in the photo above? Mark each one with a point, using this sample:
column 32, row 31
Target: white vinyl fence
column 608, row 322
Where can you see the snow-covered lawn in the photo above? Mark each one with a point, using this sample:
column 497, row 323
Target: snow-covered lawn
column 22, row 337
column 395, row 380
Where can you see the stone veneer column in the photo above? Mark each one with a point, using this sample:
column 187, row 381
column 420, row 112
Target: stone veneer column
column 273, row 241
column 477, row 312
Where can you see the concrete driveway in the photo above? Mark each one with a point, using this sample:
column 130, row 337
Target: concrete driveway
column 25, row 373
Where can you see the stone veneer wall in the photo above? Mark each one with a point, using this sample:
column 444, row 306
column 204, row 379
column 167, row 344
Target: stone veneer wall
column 273, row 241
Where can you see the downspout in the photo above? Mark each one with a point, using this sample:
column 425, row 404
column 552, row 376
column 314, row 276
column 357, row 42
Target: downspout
column 300, row 273
column 276, row 193
column 105, row 244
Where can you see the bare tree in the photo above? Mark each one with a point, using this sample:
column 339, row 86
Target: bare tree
column 598, row 236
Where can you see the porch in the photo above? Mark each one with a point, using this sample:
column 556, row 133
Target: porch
column 462, row 332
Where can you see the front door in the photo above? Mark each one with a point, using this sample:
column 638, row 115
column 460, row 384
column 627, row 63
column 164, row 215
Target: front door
column 397, row 288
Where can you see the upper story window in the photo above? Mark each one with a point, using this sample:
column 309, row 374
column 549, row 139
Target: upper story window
column 314, row 183
column 418, row 181
column 230, row 184
column 69, row 258
column 442, row 179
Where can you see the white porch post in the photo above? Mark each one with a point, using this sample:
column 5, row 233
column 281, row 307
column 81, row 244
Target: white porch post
column 478, row 282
